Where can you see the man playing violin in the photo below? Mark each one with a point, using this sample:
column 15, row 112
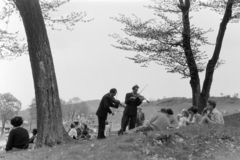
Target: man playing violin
column 107, row 101
column 132, row 101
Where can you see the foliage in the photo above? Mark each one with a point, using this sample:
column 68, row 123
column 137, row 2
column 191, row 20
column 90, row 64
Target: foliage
column 9, row 107
column 33, row 110
column 11, row 46
column 236, row 95
column 71, row 111
column 160, row 40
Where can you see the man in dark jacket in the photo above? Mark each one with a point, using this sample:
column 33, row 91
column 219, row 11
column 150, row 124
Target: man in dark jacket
column 107, row 101
column 132, row 101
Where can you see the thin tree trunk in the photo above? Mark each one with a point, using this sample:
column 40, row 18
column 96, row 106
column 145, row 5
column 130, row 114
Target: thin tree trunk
column 186, row 34
column 212, row 63
column 3, row 127
column 49, row 114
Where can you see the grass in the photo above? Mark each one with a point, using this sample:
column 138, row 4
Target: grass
column 193, row 142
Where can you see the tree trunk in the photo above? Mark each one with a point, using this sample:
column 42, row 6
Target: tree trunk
column 212, row 63
column 3, row 127
column 194, row 81
column 30, row 127
column 49, row 114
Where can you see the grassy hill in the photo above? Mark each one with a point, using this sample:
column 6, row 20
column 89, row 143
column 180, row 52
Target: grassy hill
column 210, row 142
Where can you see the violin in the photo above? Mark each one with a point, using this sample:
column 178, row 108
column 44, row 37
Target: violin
column 140, row 97
column 117, row 102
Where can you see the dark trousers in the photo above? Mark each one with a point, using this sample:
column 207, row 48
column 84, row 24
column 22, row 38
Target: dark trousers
column 101, row 127
column 127, row 119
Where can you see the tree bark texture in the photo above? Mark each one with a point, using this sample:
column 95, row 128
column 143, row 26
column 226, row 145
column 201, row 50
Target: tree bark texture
column 186, row 34
column 3, row 126
column 213, row 61
column 49, row 114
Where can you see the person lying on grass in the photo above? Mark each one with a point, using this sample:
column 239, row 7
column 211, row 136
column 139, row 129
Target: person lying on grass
column 18, row 138
column 158, row 122
column 211, row 114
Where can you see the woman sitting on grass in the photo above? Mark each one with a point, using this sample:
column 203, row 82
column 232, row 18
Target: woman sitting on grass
column 183, row 120
column 18, row 138
column 72, row 132
column 195, row 117
column 85, row 132
column 173, row 121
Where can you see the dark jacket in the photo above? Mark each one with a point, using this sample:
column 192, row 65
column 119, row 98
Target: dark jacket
column 104, row 106
column 131, row 105
column 18, row 138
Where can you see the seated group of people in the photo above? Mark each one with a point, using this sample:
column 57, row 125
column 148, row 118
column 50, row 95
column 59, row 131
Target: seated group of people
column 79, row 131
column 165, row 119
column 18, row 138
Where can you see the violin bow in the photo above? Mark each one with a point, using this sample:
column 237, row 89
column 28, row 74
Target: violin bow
column 143, row 89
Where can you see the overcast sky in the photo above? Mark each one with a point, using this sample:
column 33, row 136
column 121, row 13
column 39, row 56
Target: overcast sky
column 87, row 66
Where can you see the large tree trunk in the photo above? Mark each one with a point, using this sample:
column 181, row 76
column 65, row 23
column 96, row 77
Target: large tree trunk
column 194, row 81
column 212, row 63
column 49, row 114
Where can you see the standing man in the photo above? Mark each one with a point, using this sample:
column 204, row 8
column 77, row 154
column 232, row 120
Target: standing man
column 107, row 101
column 140, row 118
column 132, row 101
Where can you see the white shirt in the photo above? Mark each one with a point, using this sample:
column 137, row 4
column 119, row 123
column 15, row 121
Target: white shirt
column 183, row 121
column 217, row 117
column 73, row 132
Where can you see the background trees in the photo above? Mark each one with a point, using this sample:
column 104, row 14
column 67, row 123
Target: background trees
column 9, row 107
column 33, row 13
column 174, row 43
column 72, row 111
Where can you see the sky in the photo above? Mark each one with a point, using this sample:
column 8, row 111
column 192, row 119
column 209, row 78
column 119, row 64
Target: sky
column 87, row 66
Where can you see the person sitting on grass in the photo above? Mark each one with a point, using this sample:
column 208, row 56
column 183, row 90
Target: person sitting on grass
column 85, row 132
column 195, row 116
column 72, row 132
column 212, row 116
column 18, row 138
column 181, row 115
column 158, row 122
column 34, row 137
column 183, row 120
column 173, row 121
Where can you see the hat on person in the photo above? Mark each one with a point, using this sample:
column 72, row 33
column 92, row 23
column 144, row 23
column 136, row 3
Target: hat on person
column 135, row 86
